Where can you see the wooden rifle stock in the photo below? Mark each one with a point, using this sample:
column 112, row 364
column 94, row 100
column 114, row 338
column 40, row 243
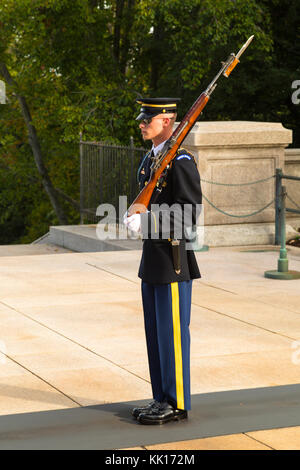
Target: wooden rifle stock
column 142, row 200
column 169, row 151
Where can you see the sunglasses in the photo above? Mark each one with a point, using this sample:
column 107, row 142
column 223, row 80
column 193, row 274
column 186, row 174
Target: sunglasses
column 147, row 121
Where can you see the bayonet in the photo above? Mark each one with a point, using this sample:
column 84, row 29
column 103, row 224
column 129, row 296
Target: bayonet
column 169, row 152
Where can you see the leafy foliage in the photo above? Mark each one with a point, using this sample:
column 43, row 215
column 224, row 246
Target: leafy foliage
column 81, row 64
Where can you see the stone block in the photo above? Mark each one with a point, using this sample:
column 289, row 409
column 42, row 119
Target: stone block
column 233, row 153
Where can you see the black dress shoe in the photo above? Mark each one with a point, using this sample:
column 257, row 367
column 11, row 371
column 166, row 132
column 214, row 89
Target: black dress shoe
column 162, row 414
column 144, row 409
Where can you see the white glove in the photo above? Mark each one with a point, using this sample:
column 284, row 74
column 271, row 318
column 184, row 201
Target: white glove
column 133, row 222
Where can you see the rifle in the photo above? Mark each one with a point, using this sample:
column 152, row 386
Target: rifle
column 163, row 159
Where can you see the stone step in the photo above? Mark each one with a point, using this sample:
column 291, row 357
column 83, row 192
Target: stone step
column 32, row 249
column 85, row 238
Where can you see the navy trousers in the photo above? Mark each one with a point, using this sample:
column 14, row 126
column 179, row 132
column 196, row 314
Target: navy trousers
column 167, row 312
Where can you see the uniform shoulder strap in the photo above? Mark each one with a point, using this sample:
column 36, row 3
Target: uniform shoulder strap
column 183, row 153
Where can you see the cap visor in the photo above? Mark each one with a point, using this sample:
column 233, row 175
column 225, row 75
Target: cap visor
column 144, row 116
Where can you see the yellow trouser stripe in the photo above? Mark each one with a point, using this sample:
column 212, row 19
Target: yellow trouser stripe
column 177, row 345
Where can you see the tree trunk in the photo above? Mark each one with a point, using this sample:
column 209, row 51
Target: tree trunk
column 128, row 23
column 156, row 50
column 117, row 29
column 36, row 149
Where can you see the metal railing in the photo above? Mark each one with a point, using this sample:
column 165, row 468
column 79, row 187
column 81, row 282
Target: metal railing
column 281, row 195
column 280, row 207
column 106, row 172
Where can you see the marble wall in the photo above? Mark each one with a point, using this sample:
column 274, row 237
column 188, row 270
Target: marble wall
column 236, row 152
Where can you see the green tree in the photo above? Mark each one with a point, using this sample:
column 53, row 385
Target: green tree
column 81, row 64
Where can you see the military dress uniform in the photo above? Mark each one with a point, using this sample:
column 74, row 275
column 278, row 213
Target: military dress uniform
column 166, row 295
column 166, row 291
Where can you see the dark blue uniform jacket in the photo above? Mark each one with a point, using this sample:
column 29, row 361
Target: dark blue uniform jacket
column 177, row 207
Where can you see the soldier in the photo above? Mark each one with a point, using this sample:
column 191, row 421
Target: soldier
column 167, row 267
